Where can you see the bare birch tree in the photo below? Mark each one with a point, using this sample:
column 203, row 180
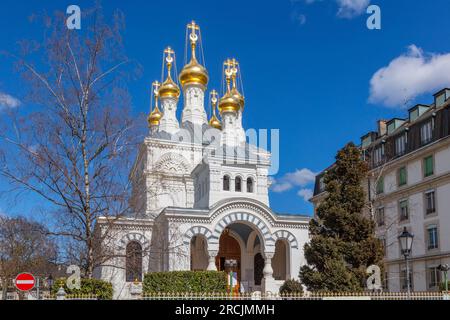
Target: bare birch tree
column 74, row 149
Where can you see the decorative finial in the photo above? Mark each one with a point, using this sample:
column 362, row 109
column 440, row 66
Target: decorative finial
column 155, row 115
column 193, row 36
column 169, row 59
column 228, row 72
column 214, row 121
column 156, row 86
column 234, row 70
column 214, row 100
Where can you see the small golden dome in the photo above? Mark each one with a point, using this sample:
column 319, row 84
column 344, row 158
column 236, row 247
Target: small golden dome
column 155, row 117
column 234, row 91
column 169, row 89
column 194, row 73
column 215, row 123
column 228, row 103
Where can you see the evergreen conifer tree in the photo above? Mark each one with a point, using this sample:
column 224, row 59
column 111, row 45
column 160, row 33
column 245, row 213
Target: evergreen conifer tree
column 343, row 243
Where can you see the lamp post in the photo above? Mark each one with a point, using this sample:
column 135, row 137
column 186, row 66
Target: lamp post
column 444, row 268
column 406, row 241
column 50, row 283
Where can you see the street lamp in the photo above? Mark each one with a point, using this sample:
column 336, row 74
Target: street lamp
column 50, row 283
column 406, row 241
column 444, row 268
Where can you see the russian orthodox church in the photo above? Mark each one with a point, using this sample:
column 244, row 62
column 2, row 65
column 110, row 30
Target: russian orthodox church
column 200, row 190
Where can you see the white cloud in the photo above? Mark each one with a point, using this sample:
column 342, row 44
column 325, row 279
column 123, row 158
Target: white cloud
column 281, row 187
column 306, row 194
column 8, row 101
column 298, row 18
column 408, row 76
column 351, row 8
column 299, row 178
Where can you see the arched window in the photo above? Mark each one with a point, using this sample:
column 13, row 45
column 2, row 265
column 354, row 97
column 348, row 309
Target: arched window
column 226, row 183
column 238, row 184
column 134, row 262
column 250, row 185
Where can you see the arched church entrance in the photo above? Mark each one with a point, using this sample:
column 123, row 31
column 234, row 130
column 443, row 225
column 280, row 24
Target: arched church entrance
column 229, row 249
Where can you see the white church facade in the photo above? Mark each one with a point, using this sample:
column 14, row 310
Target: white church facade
column 200, row 191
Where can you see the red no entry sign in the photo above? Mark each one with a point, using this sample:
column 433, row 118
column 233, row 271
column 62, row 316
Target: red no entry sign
column 25, row 281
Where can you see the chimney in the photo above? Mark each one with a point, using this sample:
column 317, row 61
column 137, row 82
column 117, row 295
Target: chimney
column 381, row 127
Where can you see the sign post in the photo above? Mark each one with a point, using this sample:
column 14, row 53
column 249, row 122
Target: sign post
column 25, row 281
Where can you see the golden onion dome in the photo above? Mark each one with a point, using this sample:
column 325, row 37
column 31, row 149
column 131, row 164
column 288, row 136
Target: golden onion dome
column 234, row 91
column 194, row 73
column 215, row 123
column 169, row 89
column 229, row 103
column 155, row 117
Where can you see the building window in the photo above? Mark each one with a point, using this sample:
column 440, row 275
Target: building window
column 404, row 212
column 428, row 166
column 238, row 184
column 250, row 185
column 226, row 183
column 430, row 204
column 383, row 243
column 432, row 235
column 378, row 155
column 400, row 145
column 322, row 184
column 134, row 262
column 380, row 185
column 402, row 180
column 426, row 132
column 380, row 216
column 434, row 277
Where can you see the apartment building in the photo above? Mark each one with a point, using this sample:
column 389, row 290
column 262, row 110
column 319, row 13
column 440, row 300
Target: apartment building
column 409, row 186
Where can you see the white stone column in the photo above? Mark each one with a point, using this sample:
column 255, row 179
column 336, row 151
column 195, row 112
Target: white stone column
column 229, row 131
column 169, row 122
column 194, row 105
column 268, row 282
column 212, row 260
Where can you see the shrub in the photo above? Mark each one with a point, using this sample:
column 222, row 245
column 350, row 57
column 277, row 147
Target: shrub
column 185, row 281
column 442, row 286
column 102, row 289
column 291, row 286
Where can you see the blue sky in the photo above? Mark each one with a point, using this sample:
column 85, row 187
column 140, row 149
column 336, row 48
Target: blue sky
column 311, row 68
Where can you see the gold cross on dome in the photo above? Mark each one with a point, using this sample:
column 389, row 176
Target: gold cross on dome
column 156, row 86
column 234, row 65
column 214, row 96
column 169, row 52
column 193, row 26
column 229, row 64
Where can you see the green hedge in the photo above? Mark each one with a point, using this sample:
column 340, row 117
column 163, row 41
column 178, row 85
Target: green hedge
column 185, row 281
column 102, row 289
